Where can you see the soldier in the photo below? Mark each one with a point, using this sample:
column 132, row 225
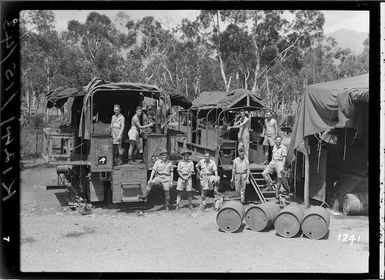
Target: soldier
column 134, row 133
column 270, row 131
column 161, row 174
column 276, row 164
column 243, row 123
column 208, row 176
column 241, row 173
column 185, row 170
column 117, row 127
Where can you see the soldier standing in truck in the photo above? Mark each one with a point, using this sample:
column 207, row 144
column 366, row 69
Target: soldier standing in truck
column 270, row 131
column 117, row 127
column 134, row 133
column 243, row 123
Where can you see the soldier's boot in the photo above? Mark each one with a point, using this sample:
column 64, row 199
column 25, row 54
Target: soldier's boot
column 203, row 205
column 167, row 200
column 144, row 197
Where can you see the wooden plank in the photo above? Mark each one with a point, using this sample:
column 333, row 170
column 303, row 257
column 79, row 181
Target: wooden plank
column 73, row 163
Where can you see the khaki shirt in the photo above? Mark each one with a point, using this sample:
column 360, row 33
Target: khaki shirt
column 163, row 168
column 279, row 153
column 241, row 166
column 185, row 167
column 207, row 168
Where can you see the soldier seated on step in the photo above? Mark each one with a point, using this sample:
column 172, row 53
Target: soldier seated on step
column 161, row 174
column 276, row 164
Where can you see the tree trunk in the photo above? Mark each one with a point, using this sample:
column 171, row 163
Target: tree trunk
column 226, row 82
column 223, row 72
column 268, row 92
column 257, row 65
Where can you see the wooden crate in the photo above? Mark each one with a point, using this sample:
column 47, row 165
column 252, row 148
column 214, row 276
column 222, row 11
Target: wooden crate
column 95, row 188
column 153, row 145
column 128, row 181
column 101, row 153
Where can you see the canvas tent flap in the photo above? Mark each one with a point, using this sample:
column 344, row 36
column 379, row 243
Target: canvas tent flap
column 178, row 99
column 328, row 105
column 59, row 96
column 225, row 100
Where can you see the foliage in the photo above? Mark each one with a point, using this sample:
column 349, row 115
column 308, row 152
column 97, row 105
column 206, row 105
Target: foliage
column 272, row 52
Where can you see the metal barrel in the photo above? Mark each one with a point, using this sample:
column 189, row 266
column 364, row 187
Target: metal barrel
column 260, row 217
column 230, row 216
column 316, row 221
column 288, row 221
column 355, row 203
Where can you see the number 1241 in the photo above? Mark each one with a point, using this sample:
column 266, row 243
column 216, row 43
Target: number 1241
column 346, row 238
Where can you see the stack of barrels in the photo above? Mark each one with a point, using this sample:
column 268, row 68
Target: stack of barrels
column 288, row 222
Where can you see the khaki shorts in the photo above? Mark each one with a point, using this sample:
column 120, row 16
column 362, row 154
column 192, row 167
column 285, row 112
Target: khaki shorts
column 160, row 180
column 133, row 134
column 277, row 166
column 181, row 185
column 207, row 182
column 268, row 141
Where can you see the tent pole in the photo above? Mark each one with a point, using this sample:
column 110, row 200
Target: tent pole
column 306, row 185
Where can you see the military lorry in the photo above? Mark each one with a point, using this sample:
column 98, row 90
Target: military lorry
column 89, row 171
column 206, row 128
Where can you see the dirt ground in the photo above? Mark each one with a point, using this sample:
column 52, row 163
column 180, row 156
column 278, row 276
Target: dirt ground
column 123, row 239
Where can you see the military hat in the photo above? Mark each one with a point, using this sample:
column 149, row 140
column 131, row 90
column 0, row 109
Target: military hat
column 186, row 152
column 163, row 152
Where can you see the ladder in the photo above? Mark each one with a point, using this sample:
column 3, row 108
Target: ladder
column 257, row 181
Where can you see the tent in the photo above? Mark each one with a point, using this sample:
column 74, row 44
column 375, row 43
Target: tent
column 332, row 108
column 224, row 100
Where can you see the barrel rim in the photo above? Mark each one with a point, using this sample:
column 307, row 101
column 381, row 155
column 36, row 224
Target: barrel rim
column 314, row 214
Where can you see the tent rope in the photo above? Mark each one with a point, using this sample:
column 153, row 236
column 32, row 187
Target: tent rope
column 319, row 149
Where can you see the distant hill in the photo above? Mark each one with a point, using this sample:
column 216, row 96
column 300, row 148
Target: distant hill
column 349, row 39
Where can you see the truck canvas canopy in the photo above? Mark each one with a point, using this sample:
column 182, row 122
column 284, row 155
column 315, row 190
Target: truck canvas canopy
column 59, row 96
column 126, row 93
column 225, row 100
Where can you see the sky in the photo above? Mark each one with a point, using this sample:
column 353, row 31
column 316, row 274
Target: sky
column 334, row 20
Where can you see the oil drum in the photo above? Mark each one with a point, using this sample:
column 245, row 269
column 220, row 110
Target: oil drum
column 355, row 203
column 288, row 221
column 316, row 222
column 230, row 216
column 261, row 217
